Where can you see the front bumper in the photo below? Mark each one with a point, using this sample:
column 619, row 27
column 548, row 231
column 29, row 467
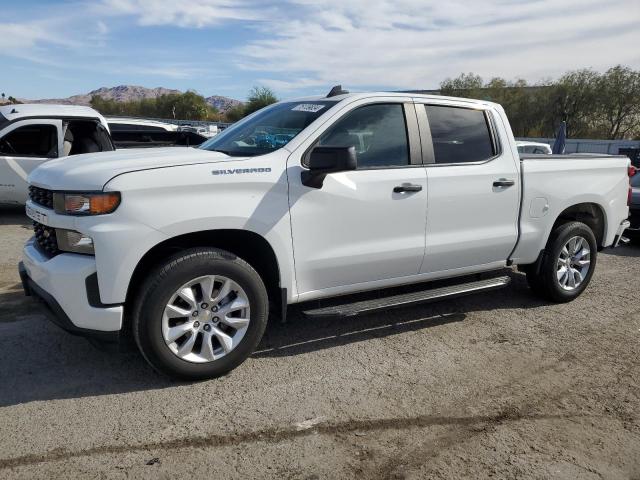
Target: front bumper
column 66, row 285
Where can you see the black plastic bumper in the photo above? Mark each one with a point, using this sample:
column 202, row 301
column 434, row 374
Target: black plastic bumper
column 56, row 313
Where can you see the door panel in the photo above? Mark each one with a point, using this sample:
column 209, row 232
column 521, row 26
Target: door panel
column 356, row 228
column 470, row 222
column 474, row 192
column 24, row 146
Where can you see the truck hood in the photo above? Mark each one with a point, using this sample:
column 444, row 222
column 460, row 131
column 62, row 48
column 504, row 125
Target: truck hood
column 92, row 171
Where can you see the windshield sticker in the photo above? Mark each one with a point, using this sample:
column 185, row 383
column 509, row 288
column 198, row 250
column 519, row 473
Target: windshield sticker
column 307, row 107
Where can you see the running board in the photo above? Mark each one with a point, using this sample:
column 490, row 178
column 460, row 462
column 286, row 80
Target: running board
column 408, row 299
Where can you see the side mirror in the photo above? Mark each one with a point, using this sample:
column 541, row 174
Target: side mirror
column 324, row 160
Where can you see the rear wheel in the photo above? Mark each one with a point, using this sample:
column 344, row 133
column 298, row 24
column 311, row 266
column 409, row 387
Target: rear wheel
column 567, row 264
column 200, row 314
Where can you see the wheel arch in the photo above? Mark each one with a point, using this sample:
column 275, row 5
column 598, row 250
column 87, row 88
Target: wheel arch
column 590, row 213
column 250, row 246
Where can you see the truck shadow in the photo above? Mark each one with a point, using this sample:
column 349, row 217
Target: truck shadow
column 10, row 215
column 41, row 362
column 302, row 335
column 630, row 250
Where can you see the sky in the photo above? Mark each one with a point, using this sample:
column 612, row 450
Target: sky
column 299, row 47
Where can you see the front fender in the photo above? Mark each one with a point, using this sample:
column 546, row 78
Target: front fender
column 164, row 203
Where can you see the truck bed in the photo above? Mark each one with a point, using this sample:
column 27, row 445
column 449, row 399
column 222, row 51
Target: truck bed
column 551, row 182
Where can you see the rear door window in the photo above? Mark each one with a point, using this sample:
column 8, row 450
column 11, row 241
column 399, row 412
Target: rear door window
column 459, row 135
column 31, row 141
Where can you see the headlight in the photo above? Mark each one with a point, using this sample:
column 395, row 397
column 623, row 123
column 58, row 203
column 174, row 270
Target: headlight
column 75, row 242
column 86, row 203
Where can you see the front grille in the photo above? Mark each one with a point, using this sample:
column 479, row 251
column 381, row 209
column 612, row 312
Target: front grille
column 46, row 239
column 41, row 196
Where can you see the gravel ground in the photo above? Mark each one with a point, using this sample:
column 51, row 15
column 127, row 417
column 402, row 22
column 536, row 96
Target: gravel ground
column 499, row 385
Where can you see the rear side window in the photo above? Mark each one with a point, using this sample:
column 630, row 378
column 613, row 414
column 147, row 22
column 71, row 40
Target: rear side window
column 31, row 141
column 460, row 135
column 129, row 127
column 378, row 133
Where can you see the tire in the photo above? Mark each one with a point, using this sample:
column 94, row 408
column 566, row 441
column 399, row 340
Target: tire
column 548, row 281
column 163, row 293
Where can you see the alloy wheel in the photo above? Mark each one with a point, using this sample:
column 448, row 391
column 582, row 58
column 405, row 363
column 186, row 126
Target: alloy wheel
column 573, row 263
column 206, row 318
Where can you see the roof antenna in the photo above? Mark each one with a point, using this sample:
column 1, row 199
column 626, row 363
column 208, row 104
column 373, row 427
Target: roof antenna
column 336, row 90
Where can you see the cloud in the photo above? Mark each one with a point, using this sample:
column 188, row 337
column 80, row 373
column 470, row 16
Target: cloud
column 416, row 43
column 24, row 36
column 311, row 44
column 184, row 14
column 102, row 27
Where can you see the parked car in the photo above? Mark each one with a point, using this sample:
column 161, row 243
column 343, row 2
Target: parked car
column 193, row 250
column 633, row 231
column 33, row 134
column 207, row 131
column 533, row 147
column 130, row 132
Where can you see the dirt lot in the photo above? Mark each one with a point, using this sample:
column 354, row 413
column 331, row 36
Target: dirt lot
column 498, row 385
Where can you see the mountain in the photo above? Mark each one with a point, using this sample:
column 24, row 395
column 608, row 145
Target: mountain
column 222, row 104
column 127, row 93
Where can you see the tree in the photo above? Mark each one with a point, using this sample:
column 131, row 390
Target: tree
column 234, row 114
column 259, row 97
column 517, row 98
column 465, row 85
column 593, row 105
column 573, row 99
column 187, row 106
column 519, row 101
column 618, row 102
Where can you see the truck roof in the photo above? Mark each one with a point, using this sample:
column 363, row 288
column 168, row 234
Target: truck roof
column 20, row 111
column 25, row 110
column 358, row 95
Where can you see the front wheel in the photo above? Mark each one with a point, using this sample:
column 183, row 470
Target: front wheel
column 567, row 265
column 200, row 314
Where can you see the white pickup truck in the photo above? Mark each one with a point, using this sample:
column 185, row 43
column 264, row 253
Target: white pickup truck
column 191, row 250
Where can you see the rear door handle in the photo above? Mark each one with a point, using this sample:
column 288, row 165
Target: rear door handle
column 504, row 182
column 407, row 187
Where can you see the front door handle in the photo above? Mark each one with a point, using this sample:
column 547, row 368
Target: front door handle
column 407, row 187
column 504, row 182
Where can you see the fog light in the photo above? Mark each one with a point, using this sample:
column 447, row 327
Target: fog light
column 75, row 242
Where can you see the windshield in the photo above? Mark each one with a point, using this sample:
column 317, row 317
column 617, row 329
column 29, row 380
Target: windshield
column 268, row 129
column 635, row 180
